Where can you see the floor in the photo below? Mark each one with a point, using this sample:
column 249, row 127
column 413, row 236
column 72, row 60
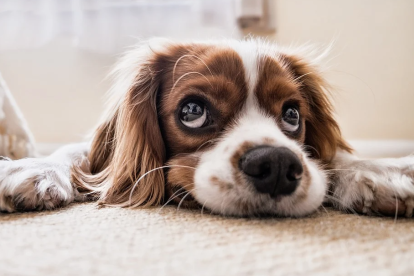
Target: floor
column 83, row 239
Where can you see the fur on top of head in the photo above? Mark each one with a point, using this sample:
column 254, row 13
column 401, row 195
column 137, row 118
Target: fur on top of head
column 210, row 124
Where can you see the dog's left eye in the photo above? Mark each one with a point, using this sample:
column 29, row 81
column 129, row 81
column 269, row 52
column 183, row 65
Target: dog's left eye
column 291, row 119
column 194, row 115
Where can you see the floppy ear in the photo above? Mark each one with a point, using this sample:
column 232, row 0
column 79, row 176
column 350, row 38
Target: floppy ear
column 128, row 143
column 323, row 135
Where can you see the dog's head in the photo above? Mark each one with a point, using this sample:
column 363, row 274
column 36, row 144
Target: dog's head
column 239, row 127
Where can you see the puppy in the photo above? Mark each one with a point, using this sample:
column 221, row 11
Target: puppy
column 241, row 128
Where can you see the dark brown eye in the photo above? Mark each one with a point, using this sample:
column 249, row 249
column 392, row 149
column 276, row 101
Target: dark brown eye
column 291, row 119
column 194, row 114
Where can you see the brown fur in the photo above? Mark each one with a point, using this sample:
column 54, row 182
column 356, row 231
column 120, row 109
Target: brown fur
column 275, row 88
column 142, row 134
column 323, row 136
column 221, row 84
column 130, row 143
column 180, row 179
column 126, row 146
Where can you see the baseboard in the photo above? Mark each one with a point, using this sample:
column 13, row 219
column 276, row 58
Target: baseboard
column 48, row 148
column 364, row 148
column 383, row 148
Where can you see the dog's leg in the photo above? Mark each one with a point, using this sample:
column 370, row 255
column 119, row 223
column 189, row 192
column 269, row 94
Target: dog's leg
column 381, row 186
column 41, row 183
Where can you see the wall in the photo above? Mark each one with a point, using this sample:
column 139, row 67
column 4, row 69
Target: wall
column 60, row 88
column 372, row 59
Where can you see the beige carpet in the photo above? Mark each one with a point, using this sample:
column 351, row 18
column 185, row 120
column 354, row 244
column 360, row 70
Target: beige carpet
column 84, row 240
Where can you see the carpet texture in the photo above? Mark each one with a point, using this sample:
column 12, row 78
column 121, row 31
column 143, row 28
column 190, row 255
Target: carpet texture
column 85, row 240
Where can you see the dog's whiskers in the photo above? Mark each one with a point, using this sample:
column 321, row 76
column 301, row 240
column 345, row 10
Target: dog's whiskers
column 209, row 141
column 308, row 146
column 323, row 207
column 202, row 208
column 181, row 201
column 150, row 171
column 174, row 195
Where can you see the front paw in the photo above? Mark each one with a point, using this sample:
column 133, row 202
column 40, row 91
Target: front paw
column 33, row 184
column 374, row 189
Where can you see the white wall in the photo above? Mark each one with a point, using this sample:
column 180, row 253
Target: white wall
column 59, row 88
column 373, row 59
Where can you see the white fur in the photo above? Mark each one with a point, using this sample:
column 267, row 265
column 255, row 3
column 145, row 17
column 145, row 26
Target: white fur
column 372, row 182
column 40, row 183
column 44, row 183
column 252, row 126
column 249, row 54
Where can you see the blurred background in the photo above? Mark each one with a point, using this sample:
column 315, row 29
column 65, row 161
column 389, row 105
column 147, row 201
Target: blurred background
column 54, row 55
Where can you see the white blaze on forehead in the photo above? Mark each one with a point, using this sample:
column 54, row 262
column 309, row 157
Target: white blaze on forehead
column 254, row 126
column 249, row 54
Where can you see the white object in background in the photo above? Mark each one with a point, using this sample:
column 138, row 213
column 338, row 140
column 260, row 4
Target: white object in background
column 16, row 140
column 254, row 15
column 108, row 26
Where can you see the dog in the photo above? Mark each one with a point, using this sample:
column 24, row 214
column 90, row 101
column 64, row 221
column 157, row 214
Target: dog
column 241, row 128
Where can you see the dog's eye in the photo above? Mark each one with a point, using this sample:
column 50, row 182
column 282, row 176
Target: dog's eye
column 194, row 115
column 291, row 119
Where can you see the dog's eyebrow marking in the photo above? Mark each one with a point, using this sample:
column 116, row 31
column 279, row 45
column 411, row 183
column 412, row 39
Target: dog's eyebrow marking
column 189, row 73
column 183, row 56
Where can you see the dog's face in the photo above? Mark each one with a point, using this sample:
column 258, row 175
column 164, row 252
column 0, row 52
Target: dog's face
column 241, row 128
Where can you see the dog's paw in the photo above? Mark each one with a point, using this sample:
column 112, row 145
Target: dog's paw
column 34, row 184
column 372, row 187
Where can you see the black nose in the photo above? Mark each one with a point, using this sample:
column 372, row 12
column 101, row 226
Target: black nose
column 274, row 171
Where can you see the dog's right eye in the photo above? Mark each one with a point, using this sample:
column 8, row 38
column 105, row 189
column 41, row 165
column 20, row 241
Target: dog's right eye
column 194, row 114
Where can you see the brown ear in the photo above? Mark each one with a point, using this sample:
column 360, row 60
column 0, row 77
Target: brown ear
column 128, row 147
column 323, row 136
